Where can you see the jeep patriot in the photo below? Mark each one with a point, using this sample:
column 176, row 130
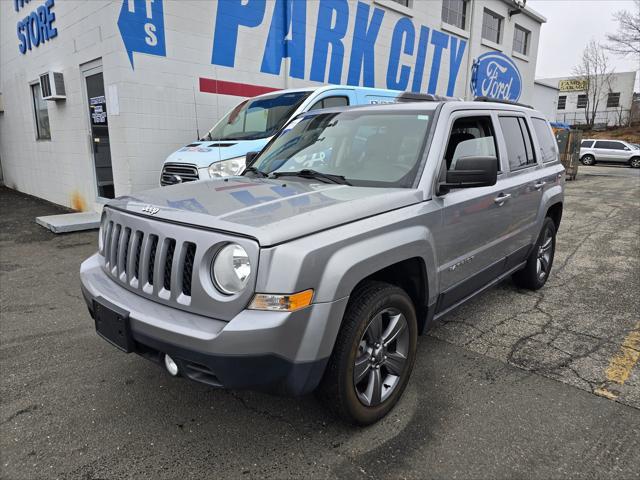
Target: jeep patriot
column 344, row 239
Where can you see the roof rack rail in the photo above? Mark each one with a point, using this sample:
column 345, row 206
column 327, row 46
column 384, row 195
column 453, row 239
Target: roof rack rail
column 424, row 97
column 507, row 102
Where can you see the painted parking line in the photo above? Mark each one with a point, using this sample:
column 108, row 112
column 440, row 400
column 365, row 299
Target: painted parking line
column 621, row 364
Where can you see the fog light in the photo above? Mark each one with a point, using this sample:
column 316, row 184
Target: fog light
column 172, row 367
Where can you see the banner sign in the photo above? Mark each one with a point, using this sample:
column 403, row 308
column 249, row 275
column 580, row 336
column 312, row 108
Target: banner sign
column 495, row 75
column 572, row 85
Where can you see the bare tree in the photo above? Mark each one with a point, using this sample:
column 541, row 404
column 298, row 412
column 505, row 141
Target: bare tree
column 594, row 72
column 626, row 41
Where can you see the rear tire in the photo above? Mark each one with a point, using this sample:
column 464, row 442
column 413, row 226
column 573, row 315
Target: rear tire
column 588, row 160
column 635, row 162
column 373, row 355
column 536, row 272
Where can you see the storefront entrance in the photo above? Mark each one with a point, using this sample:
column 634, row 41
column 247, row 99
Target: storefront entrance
column 99, row 129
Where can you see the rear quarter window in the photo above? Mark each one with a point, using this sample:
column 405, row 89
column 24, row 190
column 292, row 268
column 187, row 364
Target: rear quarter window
column 547, row 142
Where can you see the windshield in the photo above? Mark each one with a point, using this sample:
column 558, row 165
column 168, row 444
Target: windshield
column 366, row 148
column 257, row 118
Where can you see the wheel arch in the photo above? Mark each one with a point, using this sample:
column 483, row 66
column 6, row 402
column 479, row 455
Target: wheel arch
column 411, row 276
column 555, row 213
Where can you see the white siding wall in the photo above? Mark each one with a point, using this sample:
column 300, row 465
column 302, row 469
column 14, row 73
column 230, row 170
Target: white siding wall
column 159, row 98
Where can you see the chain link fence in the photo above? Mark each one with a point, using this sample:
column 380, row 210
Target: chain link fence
column 603, row 118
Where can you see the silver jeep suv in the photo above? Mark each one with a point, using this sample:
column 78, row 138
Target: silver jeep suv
column 347, row 236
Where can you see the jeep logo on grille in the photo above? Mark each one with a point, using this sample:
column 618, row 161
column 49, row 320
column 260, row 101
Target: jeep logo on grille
column 150, row 209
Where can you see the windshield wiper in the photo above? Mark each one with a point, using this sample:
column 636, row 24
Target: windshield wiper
column 308, row 173
column 252, row 169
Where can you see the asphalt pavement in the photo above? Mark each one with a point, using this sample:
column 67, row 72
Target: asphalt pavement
column 513, row 385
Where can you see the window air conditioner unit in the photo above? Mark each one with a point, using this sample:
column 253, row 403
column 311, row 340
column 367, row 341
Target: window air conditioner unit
column 52, row 86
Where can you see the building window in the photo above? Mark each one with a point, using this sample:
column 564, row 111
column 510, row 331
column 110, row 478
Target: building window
column 404, row 3
column 521, row 40
column 562, row 102
column 613, row 100
column 454, row 12
column 42, row 114
column 582, row 101
column 491, row 26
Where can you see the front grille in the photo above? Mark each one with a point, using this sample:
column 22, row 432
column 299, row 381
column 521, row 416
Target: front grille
column 152, row 259
column 169, row 263
column 131, row 254
column 187, row 271
column 173, row 173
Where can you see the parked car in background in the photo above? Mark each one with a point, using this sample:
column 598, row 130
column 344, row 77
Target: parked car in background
column 253, row 122
column 594, row 151
column 347, row 235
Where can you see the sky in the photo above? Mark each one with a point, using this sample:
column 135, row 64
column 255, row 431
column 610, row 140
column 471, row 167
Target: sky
column 570, row 25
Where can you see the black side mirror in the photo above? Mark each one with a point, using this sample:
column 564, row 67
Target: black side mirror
column 249, row 157
column 471, row 172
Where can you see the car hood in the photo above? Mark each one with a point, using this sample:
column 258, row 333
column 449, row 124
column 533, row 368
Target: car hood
column 203, row 154
column 270, row 210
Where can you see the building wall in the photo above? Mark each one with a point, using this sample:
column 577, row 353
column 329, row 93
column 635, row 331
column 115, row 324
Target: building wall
column 545, row 99
column 156, row 101
column 622, row 82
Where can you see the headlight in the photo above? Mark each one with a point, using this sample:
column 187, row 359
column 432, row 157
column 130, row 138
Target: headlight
column 231, row 269
column 227, row 168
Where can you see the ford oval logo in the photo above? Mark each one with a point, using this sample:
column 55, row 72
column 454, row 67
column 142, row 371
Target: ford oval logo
column 495, row 75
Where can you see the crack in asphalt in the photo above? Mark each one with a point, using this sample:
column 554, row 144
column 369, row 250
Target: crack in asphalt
column 553, row 349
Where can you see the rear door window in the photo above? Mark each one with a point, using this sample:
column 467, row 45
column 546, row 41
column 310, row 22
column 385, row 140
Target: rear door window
column 518, row 139
column 545, row 139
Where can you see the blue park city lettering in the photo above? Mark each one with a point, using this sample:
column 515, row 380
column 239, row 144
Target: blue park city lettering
column 287, row 39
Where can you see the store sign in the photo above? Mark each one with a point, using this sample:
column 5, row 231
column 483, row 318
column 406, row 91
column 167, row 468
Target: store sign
column 37, row 27
column 572, row 85
column 406, row 56
column 411, row 61
column 495, row 75
column 141, row 25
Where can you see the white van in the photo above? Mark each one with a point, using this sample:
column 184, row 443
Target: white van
column 252, row 123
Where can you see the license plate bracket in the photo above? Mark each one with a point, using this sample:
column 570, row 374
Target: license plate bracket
column 112, row 324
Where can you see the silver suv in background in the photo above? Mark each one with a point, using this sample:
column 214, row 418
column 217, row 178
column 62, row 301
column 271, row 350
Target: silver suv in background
column 345, row 238
column 593, row 151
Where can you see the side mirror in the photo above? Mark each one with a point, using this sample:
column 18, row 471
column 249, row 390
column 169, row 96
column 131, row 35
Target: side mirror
column 471, row 172
column 249, row 157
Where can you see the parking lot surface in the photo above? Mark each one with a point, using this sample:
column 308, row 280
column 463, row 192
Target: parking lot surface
column 514, row 384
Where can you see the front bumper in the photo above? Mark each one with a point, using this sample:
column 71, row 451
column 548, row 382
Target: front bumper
column 281, row 352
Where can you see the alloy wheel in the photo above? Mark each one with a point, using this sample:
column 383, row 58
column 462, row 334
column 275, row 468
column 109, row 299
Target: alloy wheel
column 381, row 358
column 544, row 255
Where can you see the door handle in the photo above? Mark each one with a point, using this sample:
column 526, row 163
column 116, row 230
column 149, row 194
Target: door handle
column 539, row 185
column 500, row 199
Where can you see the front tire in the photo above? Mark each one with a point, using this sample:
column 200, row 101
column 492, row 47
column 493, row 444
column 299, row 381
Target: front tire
column 373, row 355
column 588, row 160
column 536, row 272
column 635, row 162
